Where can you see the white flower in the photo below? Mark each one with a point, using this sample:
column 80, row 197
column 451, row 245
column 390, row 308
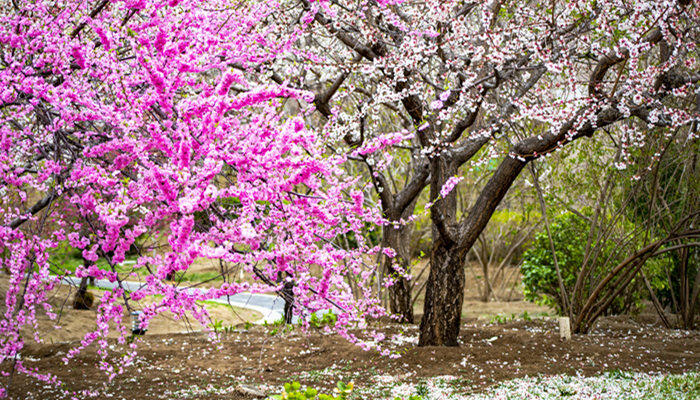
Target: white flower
column 436, row 105
column 247, row 231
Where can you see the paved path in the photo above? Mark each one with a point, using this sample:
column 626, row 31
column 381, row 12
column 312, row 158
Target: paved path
column 271, row 307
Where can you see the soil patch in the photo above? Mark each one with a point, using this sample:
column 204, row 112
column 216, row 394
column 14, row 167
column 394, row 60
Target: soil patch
column 190, row 366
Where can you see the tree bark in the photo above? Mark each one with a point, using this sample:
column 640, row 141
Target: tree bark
column 686, row 311
column 488, row 290
column 400, row 300
column 444, row 295
column 83, row 299
column 445, row 291
column 288, row 291
column 398, row 238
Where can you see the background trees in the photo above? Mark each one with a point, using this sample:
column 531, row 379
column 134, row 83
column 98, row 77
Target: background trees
column 665, row 199
column 611, row 249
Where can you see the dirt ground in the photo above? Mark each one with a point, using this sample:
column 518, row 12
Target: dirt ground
column 176, row 365
column 72, row 325
column 190, row 366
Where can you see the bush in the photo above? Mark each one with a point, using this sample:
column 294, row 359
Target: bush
column 327, row 319
column 539, row 274
column 569, row 234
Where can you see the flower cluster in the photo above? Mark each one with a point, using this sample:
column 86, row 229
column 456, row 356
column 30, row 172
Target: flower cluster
column 145, row 127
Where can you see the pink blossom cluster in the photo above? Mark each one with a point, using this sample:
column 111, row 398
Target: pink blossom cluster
column 147, row 125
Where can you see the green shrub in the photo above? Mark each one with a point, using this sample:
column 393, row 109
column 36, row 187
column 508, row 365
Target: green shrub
column 569, row 234
column 539, row 274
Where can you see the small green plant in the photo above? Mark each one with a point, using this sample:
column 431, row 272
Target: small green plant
column 279, row 326
column 566, row 391
column 327, row 319
column 293, row 391
column 217, row 325
column 501, row 318
column 421, row 391
column 276, row 323
column 617, row 374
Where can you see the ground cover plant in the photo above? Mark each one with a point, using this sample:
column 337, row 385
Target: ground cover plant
column 612, row 385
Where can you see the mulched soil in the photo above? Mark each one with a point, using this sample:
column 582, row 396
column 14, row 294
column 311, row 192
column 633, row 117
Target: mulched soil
column 488, row 353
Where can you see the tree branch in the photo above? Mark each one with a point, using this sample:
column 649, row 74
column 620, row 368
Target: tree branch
column 38, row 206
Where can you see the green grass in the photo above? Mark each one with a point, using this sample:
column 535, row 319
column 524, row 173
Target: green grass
column 198, row 277
column 681, row 387
column 68, row 262
column 67, row 259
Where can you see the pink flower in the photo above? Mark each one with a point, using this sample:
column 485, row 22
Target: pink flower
column 78, row 56
column 449, row 185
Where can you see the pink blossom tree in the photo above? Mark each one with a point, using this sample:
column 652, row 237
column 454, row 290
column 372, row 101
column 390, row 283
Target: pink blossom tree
column 125, row 119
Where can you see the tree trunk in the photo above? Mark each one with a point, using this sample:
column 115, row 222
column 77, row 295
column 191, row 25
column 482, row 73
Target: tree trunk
column 487, row 283
column 445, row 291
column 83, row 299
column 686, row 310
column 400, row 300
column 288, row 295
column 444, row 295
column 400, row 292
column 442, row 311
